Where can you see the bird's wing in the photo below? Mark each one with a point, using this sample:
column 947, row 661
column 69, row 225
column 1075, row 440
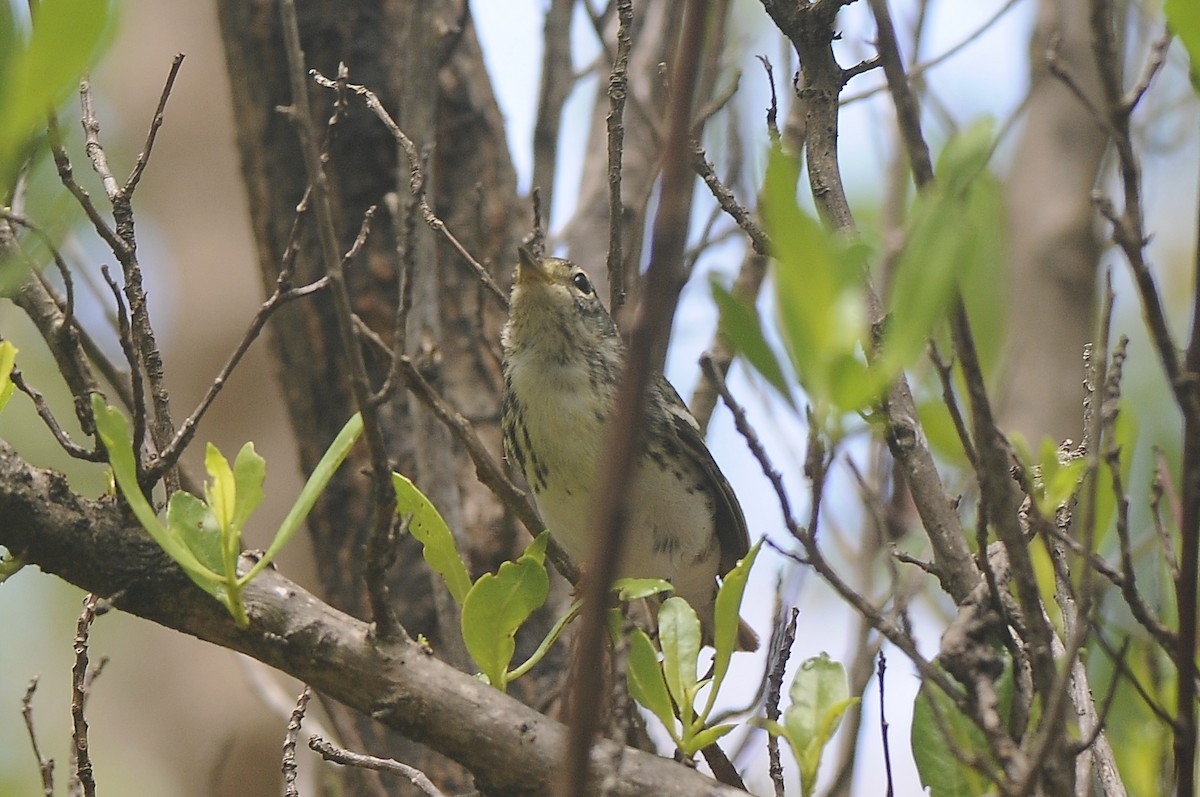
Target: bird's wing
column 732, row 533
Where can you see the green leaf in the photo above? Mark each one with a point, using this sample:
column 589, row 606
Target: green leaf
column 317, row 480
column 743, row 326
column 820, row 696
column 114, row 433
column 1183, row 17
column 220, row 489
column 10, row 565
column 437, row 541
column 819, row 297
column 41, row 69
column 726, row 618
column 679, row 637
column 646, row 682
column 8, row 356
column 496, row 607
column 706, row 737
column 633, row 589
column 249, row 472
column 954, row 230
column 938, row 730
column 194, row 523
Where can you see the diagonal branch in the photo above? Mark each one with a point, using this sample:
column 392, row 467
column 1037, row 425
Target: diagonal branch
column 510, row 748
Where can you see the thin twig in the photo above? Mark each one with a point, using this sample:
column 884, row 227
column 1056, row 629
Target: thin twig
column 149, row 358
column 1117, row 657
column 45, row 765
column 729, row 203
column 289, row 744
column 379, row 547
column 647, row 349
column 80, row 689
column 618, row 86
column 187, row 430
column 427, row 213
column 945, row 372
column 555, row 88
column 125, row 336
column 883, row 725
column 917, row 70
column 781, row 647
column 347, row 758
column 139, row 166
column 43, row 410
column 773, row 108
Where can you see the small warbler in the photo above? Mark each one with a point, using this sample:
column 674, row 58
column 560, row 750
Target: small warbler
column 562, row 358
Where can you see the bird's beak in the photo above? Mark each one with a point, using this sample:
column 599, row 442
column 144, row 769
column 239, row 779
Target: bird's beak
column 529, row 268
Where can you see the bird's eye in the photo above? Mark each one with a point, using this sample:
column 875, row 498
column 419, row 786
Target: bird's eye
column 581, row 282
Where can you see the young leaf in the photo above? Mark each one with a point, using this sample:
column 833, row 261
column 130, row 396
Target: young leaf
column 819, row 696
column 193, row 521
column 8, row 356
column 1184, row 18
column 706, row 737
column 743, row 326
column 646, row 682
column 43, row 69
column 679, row 636
column 496, row 607
column 818, row 293
column 726, row 619
column 437, row 541
column 953, row 231
column 938, row 730
column 249, row 472
column 313, row 488
column 219, row 490
column 114, row 433
column 633, row 589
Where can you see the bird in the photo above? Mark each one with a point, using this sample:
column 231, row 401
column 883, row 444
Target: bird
column 562, row 360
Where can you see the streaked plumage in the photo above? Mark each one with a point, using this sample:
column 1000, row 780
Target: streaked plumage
column 562, row 360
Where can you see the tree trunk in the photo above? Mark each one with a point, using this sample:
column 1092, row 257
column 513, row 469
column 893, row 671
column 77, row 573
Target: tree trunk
column 442, row 97
column 1054, row 243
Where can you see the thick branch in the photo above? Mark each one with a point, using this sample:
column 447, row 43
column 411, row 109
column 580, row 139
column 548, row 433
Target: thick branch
column 511, row 749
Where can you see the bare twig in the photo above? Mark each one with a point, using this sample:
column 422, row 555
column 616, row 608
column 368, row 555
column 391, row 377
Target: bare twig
column 81, row 682
column 139, row 166
column 125, row 336
column 781, row 647
column 729, row 203
column 410, row 150
column 920, row 69
column 379, row 548
column 43, row 410
column 883, row 725
column 945, row 372
column 289, row 744
column 347, row 758
column 555, row 86
column 773, row 108
column 45, row 765
column 149, row 358
column 618, row 86
column 187, row 430
column 652, row 321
